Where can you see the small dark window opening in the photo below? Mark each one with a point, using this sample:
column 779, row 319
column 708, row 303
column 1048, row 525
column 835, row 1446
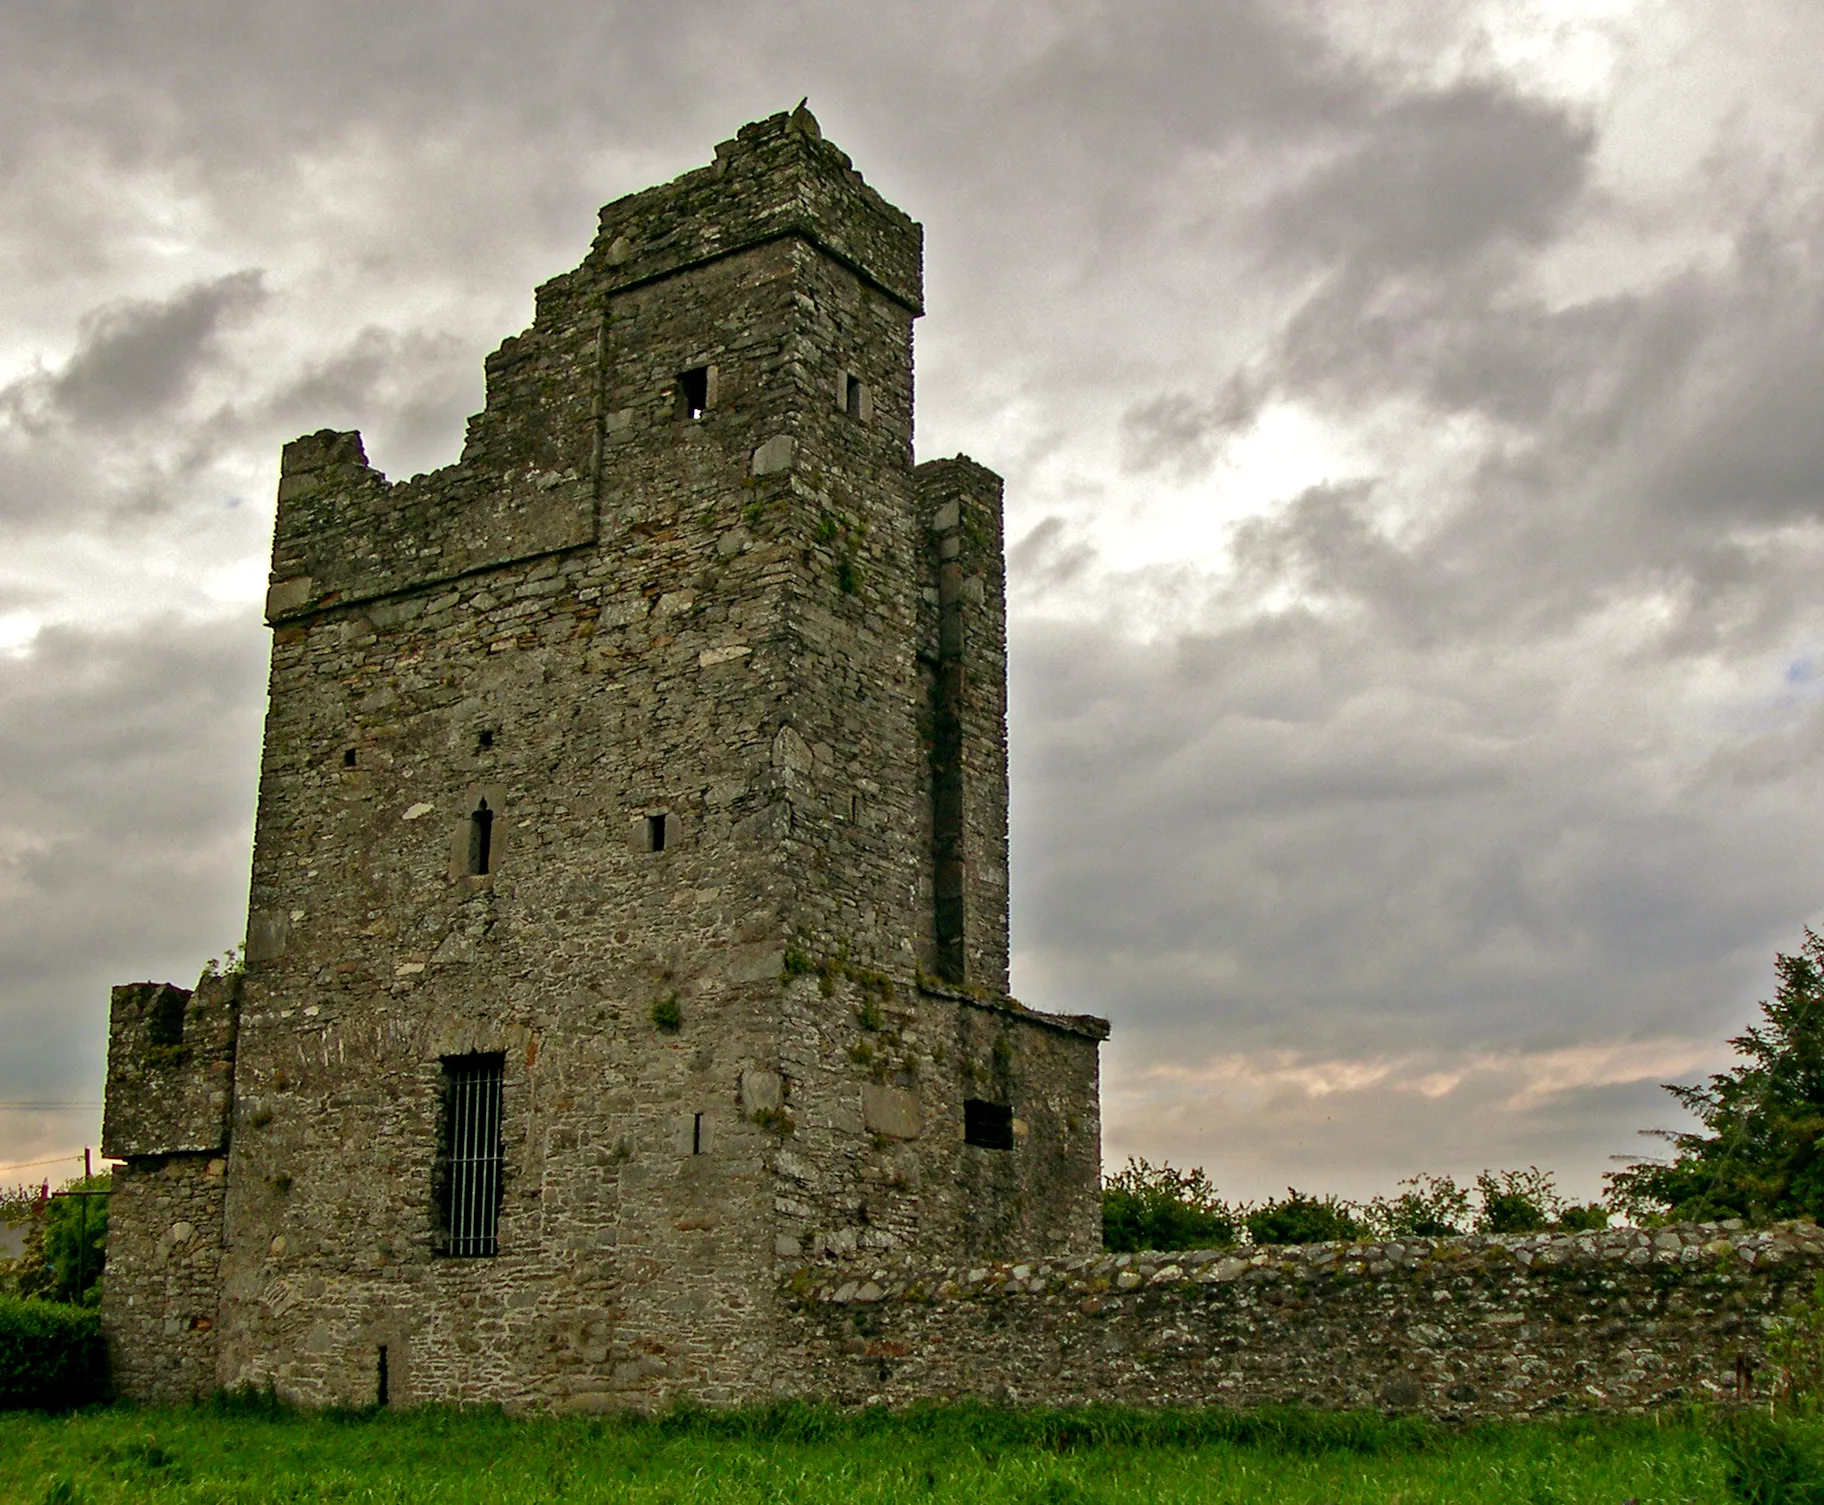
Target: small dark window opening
column 380, row 1387
column 696, row 1134
column 348, row 757
column 693, row 392
column 481, row 840
column 487, row 740
column 166, row 1026
column 987, row 1125
column 851, row 395
column 469, row 1158
column 655, row 833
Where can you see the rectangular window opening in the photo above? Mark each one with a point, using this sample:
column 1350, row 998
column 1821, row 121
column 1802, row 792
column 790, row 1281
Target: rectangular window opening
column 655, row 833
column 851, row 394
column 469, row 1158
column 348, row 757
column 381, row 1387
column 988, row 1126
column 696, row 1134
column 693, row 392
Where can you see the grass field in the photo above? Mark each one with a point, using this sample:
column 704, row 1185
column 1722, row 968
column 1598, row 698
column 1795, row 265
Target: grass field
column 253, row 1452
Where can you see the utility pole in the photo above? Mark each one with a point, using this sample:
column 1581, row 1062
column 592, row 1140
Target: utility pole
column 83, row 1194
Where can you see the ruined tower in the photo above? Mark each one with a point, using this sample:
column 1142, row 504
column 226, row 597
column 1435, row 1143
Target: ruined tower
column 629, row 906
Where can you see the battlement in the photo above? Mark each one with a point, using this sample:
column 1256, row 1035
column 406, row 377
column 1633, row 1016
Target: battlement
column 170, row 1067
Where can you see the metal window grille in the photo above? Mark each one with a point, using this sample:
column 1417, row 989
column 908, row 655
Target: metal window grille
column 471, row 1158
column 987, row 1125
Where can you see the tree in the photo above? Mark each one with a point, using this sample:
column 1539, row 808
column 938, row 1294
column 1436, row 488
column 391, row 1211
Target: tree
column 67, row 1245
column 1759, row 1154
column 1156, row 1207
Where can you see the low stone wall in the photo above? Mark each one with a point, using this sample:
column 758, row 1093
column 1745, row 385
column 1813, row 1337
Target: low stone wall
column 1618, row 1320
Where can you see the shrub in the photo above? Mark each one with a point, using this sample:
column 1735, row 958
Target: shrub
column 1517, row 1201
column 1157, row 1207
column 1795, row 1349
column 51, row 1354
column 1298, row 1219
column 1429, row 1207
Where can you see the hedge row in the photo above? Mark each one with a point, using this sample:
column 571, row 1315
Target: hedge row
column 51, row 1355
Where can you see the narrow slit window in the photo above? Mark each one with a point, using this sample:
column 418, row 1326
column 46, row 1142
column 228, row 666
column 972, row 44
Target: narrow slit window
column 693, row 393
column 696, row 1134
column 852, row 394
column 655, row 833
column 381, row 1396
column 988, row 1126
column 481, row 840
column 469, row 1156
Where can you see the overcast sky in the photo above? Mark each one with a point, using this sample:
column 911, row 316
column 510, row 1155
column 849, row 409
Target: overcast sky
column 1413, row 418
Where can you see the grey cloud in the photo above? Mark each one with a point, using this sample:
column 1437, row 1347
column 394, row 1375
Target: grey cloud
column 1438, row 178
column 1048, row 557
column 139, row 356
column 131, row 761
column 1365, row 849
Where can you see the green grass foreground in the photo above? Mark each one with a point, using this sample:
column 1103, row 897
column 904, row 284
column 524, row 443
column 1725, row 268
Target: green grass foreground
column 253, row 1451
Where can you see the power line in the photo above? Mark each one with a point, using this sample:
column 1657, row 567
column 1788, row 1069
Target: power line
column 8, row 1104
column 26, row 1165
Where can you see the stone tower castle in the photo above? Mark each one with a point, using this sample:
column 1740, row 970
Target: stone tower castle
column 629, row 904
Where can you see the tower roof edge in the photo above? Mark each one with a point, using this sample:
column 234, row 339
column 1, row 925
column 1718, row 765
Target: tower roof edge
column 777, row 177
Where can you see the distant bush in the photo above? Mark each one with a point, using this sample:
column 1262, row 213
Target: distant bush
column 1148, row 1206
column 1429, row 1207
column 1157, row 1207
column 1299, row 1219
column 51, row 1354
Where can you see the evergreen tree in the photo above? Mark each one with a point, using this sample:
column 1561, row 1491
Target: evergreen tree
column 1759, row 1153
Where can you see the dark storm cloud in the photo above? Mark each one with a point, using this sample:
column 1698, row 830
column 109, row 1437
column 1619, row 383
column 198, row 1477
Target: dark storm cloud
column 138, row 356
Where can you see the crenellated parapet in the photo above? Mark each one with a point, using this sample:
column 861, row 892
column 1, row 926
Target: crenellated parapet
column 170, row 1067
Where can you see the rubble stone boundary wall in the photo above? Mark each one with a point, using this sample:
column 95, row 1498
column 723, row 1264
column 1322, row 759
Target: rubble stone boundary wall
column 1618, row 1320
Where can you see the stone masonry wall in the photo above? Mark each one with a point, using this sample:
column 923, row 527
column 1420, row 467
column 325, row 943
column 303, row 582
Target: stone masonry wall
column 1621, row 1320
column 160, row 1296
column 871, row 1161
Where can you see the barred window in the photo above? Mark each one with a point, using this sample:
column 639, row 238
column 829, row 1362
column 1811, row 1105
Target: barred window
column 987, row 1125
column 469, row 1156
